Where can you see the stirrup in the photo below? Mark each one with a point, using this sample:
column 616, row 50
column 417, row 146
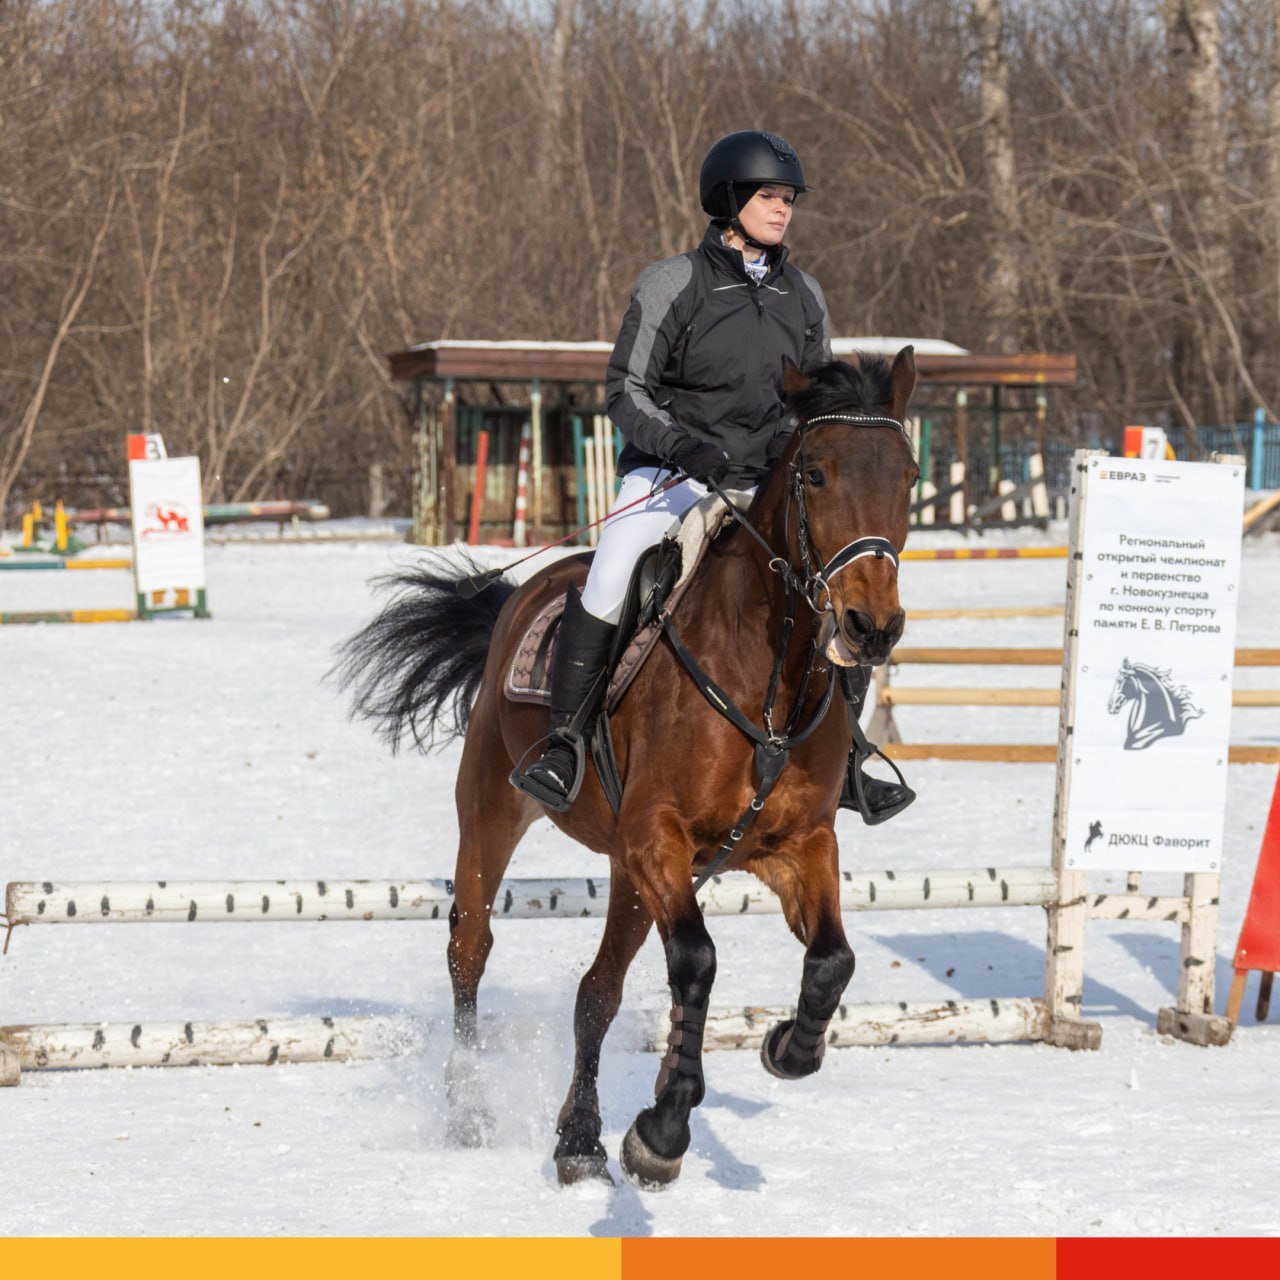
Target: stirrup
column 556, row 800
column 856, row 789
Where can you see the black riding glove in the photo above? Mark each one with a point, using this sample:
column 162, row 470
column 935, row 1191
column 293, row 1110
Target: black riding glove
column 700, row 460
column 776, row 448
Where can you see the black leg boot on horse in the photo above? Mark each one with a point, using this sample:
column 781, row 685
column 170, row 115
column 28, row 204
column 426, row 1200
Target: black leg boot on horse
column 579, row 674
column 654, row 1146
column 794, row 1048
column 876, row 800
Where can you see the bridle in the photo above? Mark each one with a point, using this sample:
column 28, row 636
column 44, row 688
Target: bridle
column 774, row 746
column 818, row 573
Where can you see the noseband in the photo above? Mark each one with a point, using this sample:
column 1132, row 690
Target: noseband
column 818, row 574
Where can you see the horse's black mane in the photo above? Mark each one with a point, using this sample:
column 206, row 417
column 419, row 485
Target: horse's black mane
column 840, row 387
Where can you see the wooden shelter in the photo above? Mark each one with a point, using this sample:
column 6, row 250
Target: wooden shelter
column 550, row 393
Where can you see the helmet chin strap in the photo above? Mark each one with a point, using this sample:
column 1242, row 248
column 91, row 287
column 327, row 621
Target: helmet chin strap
column 736, row 225
column 735, row 222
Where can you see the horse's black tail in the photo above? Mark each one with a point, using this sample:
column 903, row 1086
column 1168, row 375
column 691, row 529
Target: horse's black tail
column 416, row 668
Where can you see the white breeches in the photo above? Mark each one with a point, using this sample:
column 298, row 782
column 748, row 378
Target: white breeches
column 625, row 537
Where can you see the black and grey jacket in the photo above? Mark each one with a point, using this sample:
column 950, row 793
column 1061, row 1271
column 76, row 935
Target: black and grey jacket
column 700, row 353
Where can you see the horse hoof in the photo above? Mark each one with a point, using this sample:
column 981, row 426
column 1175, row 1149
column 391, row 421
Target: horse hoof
column 471, row 1127
column 571, row 1170
column 644, row 1166
column 773, row 1054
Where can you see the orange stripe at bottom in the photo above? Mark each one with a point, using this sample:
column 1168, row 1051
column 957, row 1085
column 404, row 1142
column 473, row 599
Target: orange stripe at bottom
column 767, row 1259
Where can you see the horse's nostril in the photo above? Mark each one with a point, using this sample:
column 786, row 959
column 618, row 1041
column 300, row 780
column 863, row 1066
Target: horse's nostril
column 858, row 623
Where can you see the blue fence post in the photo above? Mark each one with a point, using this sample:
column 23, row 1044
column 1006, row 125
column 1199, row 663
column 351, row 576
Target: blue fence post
column 1259, row 431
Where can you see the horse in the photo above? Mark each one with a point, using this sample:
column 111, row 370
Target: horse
column 1160, row 708
column 766, row 617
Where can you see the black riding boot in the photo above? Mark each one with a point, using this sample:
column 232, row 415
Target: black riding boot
column 578, row 680
column 877, row 801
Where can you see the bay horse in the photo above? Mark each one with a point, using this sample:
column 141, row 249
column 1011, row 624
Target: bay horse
column 764, row 608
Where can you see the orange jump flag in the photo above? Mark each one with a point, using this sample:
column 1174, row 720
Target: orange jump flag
column 1259, row 945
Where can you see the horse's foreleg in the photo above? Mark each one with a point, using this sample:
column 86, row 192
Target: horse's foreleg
column 811, row 900
column 491, row 819
column 655, row 1144
column 579, row 1154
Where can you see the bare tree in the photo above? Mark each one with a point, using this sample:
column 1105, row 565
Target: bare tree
column 1002, row 286
column 1197, row 216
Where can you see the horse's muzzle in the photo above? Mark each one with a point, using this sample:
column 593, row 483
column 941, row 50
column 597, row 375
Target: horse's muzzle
column 859, row 640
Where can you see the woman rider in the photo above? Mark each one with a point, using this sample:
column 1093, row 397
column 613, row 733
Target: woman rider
column 694, row 385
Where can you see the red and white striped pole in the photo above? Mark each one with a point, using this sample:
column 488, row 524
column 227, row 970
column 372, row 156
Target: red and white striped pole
column 520, row 531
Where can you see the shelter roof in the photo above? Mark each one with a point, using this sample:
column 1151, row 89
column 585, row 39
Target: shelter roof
column 521, row 361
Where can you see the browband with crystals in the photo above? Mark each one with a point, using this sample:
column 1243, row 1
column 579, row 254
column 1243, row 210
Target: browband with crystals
column 868, row 419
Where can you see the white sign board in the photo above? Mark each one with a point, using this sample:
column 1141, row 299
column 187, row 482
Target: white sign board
column 168, row 524
column 1158, row 585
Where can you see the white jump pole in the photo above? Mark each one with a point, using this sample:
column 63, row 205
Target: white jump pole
column 274, row 901
column 272, row 1041
column 248, row 1042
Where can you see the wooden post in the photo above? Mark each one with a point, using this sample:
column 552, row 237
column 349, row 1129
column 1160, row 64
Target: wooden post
column 956, row 509
column 377, row 490
column 962, row 446
column 477, row 490
column 535, row 423
column 579, row 471
column 1064, row 951
column 520, row 528
column 1193, row 1019
column 449, row 462
column 424, row 531
column 592, row 466
column 994, row 474
column 1039, row 489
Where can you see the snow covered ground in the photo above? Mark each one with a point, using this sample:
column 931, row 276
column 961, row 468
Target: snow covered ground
column 188, row 750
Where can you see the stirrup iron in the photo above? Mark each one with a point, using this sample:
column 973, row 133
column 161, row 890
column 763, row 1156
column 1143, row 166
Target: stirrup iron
column 873, row 817
column 546, row 795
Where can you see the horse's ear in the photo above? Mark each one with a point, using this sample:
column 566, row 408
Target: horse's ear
column 793, row 379
column 904, row 382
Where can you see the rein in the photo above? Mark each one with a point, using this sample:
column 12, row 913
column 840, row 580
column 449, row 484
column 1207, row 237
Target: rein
column 773, row 749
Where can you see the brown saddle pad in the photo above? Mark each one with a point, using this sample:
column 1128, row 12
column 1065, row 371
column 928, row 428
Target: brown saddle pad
column 529, row 674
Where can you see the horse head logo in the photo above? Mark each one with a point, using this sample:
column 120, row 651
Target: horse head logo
column 1160, row 708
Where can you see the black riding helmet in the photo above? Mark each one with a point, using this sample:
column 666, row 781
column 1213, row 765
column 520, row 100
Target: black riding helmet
column 738, row 165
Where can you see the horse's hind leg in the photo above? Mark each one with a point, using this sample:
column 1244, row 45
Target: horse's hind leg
column 810, row 894
column 492, row 817
column 579, row 1155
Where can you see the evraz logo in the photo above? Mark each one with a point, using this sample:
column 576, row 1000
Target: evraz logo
column 1161, row 709
column 1113, row 474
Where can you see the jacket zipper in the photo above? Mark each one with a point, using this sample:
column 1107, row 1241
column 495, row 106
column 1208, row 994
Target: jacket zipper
column 684, row 351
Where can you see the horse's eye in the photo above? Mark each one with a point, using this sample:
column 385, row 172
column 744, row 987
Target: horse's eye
column 813, row 476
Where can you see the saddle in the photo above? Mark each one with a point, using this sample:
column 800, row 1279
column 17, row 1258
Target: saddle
column 658, row 584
